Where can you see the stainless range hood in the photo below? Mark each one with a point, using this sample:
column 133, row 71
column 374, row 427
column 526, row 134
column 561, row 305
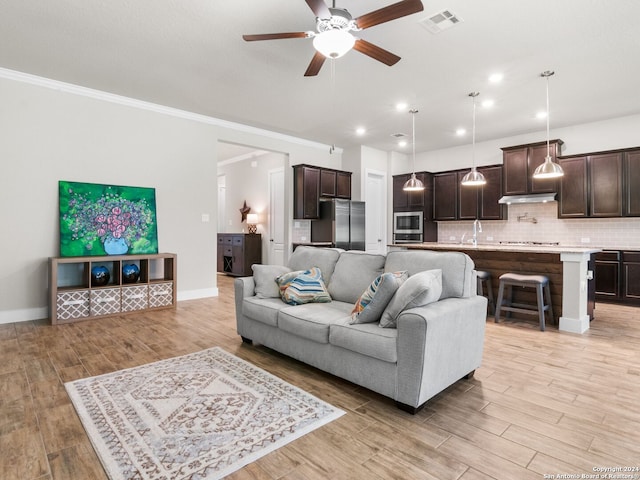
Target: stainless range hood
column 531, row 198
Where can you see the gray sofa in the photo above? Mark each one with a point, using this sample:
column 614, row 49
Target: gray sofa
column 432, row 347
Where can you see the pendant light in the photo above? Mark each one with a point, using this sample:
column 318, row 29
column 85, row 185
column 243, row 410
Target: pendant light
column 548, row 169
column 413, row 184
column 474, row 178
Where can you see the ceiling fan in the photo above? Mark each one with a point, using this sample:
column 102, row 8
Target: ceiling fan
column 334, row 26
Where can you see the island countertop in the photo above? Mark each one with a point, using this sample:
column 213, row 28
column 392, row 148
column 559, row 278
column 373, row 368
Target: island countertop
column 568, row 268
column 495, row 247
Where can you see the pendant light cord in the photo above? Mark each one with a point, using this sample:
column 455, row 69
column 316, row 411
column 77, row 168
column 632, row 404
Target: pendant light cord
column 413, row 136
column 546, row 74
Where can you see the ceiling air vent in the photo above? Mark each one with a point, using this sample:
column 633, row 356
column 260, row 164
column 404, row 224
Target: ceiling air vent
column 440, row 21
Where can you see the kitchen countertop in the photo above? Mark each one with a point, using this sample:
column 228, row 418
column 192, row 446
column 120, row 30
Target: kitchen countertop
column 499, row 247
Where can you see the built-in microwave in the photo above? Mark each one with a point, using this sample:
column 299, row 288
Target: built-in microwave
column 407, row 223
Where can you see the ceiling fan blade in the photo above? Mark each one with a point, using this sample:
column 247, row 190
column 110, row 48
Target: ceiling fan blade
column 376, row 52
column 319, row 8
column 388, row 13
column 274, row 36
column 316, row 64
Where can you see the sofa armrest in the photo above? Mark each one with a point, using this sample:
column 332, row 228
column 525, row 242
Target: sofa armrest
column 438, row 344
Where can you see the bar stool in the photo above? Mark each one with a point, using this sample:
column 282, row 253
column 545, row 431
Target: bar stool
column 539, row 282
column 484, row 278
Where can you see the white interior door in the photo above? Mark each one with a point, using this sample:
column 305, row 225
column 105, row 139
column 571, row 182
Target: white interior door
column 376, row 211
column 222, row 203
column 276, row 217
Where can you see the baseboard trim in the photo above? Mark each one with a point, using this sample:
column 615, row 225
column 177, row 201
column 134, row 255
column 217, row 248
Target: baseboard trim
column 196, row 294
column 23, row 315
column 42, row 313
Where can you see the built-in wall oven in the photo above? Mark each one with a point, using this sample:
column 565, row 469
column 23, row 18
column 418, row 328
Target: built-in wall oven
column 407, row 227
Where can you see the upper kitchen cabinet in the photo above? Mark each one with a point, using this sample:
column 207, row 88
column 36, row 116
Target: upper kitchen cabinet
column 631, row 181
column 404, row 201
column 335, row 183
column 490, row 193
column 306, row 191
column 519, row 163
column 592, row 186
column 470, row 202
column 445, row 196
column 310, row 183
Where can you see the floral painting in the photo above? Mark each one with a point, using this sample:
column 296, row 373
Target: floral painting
column 100, row 219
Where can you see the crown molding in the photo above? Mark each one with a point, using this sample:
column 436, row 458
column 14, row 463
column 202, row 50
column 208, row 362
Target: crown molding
column 153, row 107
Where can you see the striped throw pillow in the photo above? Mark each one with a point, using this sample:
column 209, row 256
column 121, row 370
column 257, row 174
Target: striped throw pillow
column 307, row 287
column 376, row 297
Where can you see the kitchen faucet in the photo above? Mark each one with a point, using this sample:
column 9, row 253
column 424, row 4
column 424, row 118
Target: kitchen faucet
column 477, row 228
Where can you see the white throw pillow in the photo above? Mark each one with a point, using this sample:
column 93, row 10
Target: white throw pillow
column 420, row 289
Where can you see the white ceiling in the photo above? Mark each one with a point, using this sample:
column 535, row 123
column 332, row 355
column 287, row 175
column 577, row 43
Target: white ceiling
column 189, row 54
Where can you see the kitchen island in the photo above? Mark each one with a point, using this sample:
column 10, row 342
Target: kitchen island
column 570, row 272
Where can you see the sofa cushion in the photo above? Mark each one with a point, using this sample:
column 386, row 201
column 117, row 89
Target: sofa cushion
column 263, row 310
column 457, row 268
column 420, row 289
column 305, row 287
column 312, row 320
column 366, row 339
column 353, row 273
column 376, row 297
column 264, row 277
column 305, row 257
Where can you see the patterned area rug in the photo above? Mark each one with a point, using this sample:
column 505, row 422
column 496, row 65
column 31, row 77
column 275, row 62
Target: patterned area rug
column 199, row 416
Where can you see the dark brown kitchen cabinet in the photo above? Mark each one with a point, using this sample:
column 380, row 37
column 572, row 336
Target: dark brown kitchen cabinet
column 490, row 193
column 328, row 183
column 631, row 183
column 519, row 163
column 631, row 277
column 573, row 196
column 311, row 183
column 343, row 184
column 468, row 197
column 237, row 252
column 404, row 201
column 306, row 192
column 445, row 196
column 592, row 186
column 607, row 276
column 605, row 185
column 480, row 201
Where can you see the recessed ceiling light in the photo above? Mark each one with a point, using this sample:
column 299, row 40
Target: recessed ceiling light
column 461, row 131
column 541, row 115
column 488, row 103
column 401, row 106
column 361, row 131
column 402, row 143
column 496, row 77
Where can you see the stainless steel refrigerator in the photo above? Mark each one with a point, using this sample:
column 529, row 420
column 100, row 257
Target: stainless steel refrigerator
column 341, row 222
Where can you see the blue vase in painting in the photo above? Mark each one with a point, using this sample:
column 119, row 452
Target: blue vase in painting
column 115, row 246
column 130, row 273
column 99, row 276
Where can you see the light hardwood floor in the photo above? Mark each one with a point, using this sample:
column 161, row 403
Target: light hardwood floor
column 542, row 403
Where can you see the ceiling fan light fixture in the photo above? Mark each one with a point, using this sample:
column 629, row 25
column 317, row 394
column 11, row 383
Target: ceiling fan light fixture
column 334, row 43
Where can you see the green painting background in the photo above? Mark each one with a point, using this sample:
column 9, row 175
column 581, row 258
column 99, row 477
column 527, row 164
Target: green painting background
column 92, row 191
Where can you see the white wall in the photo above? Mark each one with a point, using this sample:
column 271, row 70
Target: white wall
column 589, row 137
column 52, row 131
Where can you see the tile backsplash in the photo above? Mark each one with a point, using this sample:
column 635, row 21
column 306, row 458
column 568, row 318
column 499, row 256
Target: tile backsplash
column 301, row 231
column 614, row 233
